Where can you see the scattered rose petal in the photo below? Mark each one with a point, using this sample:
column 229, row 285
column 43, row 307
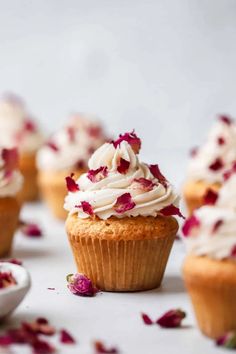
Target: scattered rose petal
column 172, row 319
column 101, row 349
column 98, row 174
column 39, row 326
column 6, row 280
column 52, row 146
column 146, row 319
column 86, row 207
column 72, row 186
column 123, row 166
column 191, row 223
column 29, row 126
column 233, row 252
column 81, row 285
column 124, row 203
column 5, row 340
column 51, row 288
column 228, row 340
column 194, row 151
column 220, row 140
column 225, row 119
column 210, row 198
column 216, row 165
column 131, row 138
column 143, row 184
column 66, row 337
column 30, row 230
column 156, row 172
column 42, row 347
column 216, row 226
column 10, row 158
column 171, row 210
column 13, row 261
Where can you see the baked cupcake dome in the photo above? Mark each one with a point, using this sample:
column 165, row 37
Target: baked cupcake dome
column 67, row 151
column 209, row 163
column 120, row 226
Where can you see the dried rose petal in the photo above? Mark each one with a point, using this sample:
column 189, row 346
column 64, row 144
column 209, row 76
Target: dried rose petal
column 71, row 133
column 51, row 288
column 210, row 198
column 98, row 174
column 124, row 203
column 233, row 252
column 194, row 151
column 142, row 184
column 52, row 146
column 172, row 319
column 6, row 280
column 216, row 226
column 31, row 230
column 13, row 261
column 5, row 340
column 29, row 126
column 171, row 210
column 86, row 207
column 155, row 171
column 225, row 119
column 191, row 223
column 146, row 319
column 216, row 165
column 131, row 138
column 228, row 340
column 71, row 185
column 80, row 164
column 42, row 347
column 230, row 172
column 95, row 131
column 81, row 285
column 66, row 337
column 220, row 140
column 101, row 349
column 123, row 166
column 40, row 326
column 10, row 158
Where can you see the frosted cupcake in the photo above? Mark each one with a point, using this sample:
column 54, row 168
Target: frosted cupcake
column 11, row 182
column 210, row 267
column 120, row 223
column 17, row 129
column 209, row 163
column 67, row 151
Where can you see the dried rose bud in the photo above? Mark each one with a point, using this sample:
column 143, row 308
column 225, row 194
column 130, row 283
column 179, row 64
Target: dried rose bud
column 124, row 203
column 131, row 138
column 72, row 186
column 81, row 285
column 123, row 166
column 98, row 174
column 172, row 319
column 171, row 210
column 190, row 224
column 228, row 340
column 101, row 349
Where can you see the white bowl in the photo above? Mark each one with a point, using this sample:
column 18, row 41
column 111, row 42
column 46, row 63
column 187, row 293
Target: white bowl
column 12, row 296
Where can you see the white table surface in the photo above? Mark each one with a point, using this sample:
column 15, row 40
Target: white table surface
column 111, row 317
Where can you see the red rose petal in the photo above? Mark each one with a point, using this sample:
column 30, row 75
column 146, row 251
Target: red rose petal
column 155, row 171
column 42, row 347
column 123, row 166
column 191, row 223
column 146, row 319
column 101, row 349
column 66, row 337
column 71, row 185
column 193, row 152
column 225, row 119
column 10, row 158
column 31, row 230
column 86, row 207
column 172, row 319
column 80, row 165
column 216, row 165
column 216, row 226
column 71, row 133
column 131, row 138
column 233, row 253
column 13, row 261
column 171, row 210
column 124, row 203
column 228, row 340
column 52, row 146
column 210, row 198
column 98, row 174
column 143, row 184
column 6, row 280
column 29, row 126
column 220, row 140
column 95, row 131
column 230, row 172
column 5, row 340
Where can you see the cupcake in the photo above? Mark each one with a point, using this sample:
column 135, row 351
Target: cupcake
column 17, row 129
column 11, row 182
column 209, row 163
column 120, row 224
column 67, row 151
column 210, row 268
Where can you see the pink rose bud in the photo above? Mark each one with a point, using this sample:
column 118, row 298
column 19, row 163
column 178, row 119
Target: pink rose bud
column 81, row 285
column 171, row 319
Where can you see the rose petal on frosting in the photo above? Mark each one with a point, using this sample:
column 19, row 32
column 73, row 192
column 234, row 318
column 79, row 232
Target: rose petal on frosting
column 95, row 131
column 210, row 198
column 230, row 172
column 142, row 184
column 220, row 140
column 156, row 172
column 216, row 165
column 233, row 252
column 80, row 164
column 146, row 319
column 52, row 146
column 29, row 126
column 123, row 166
column 72, row 186
column 124, row 203
column 86, row 207
column 66, row 337
column 71, row 133
column 228, row 340
column 131, row 138
column 191, row 223
column 10, row 158
column 98, row 174
column 172, row 319
column 81, row 285
column 216, row 226
column 171, row 210
column 100, row 348
column 225, row 119
column 194, row 151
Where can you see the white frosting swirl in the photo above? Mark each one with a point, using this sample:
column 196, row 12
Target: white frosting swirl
column 74, row 143
column 207, row 154
column 14, row 126
column 10, row 183
column 102, row 195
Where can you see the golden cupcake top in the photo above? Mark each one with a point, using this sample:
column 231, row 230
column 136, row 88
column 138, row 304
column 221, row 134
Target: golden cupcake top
column 118, row 184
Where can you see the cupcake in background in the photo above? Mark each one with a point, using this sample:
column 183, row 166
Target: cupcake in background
column 17, row 129
column 67, row 151
column 11, row 182
column 210, row 268
column 120, row 223
column 209, row 163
